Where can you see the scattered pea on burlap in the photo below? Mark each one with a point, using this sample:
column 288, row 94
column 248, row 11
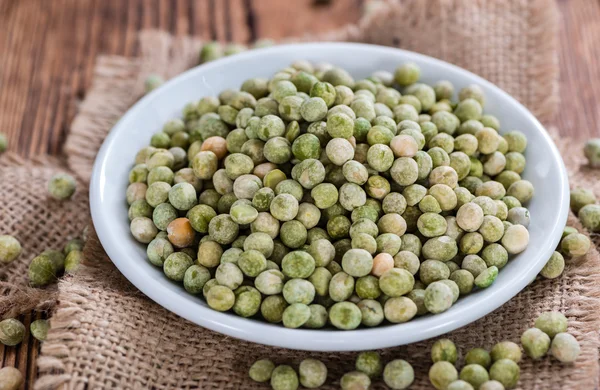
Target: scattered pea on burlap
column 39, row 222
column 106, row 334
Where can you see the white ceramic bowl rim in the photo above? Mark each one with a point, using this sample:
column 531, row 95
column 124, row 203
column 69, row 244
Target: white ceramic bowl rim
column 475, row 306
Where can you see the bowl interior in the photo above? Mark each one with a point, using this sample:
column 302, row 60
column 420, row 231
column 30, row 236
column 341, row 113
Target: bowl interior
column 545, row 170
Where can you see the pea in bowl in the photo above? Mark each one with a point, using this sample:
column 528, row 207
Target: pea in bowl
column 420, row 195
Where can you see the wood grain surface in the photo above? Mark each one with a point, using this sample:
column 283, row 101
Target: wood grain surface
column 48, row 49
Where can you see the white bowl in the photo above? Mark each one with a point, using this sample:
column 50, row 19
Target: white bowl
column 545, row 170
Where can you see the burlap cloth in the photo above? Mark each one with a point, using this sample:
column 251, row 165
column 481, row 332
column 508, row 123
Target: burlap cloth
column 106, row 334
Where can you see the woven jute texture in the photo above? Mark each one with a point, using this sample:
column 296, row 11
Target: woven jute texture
column 106, row 334
column 39, row 222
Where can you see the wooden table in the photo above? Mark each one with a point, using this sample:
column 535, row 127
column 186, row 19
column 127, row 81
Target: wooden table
column 48, row 49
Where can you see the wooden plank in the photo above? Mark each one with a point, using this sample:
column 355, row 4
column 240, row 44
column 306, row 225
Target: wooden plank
column 240, row 30
column 579, row 60
column 277, row 19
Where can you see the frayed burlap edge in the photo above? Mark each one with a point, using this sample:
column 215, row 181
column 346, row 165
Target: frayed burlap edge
column 119, row 82
column 26, row 210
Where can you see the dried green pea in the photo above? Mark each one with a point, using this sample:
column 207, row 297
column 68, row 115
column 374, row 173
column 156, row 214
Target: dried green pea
column 517, row 141
column 438, row 297
column 371, row 311
column 551, row 323
column 272, row 308
column 355, row 380
column 591, row 150
column 565, row 348
column 261, row 370
column 460, row 385
column 535, row 343
column 491, row 385
column 432, row 271
column 505, row 371
column 554, row 266
column 506, row 350
column 318, row 317
column 444, row 350
column 247, row 301
column 486, row 277
column 3, row 143
column 152, row 82
column 296, row 315
column 474, row 374
column 575, row 245
column 176, row 264
column 200, row 217
column 12, row 332
column 441, row 106
column 345, row 315
column 581, row 197
column 478, row 356
column 325, row 91
column 195, row 278
column 72, row 261
column 590, row 217
column 313, row 373
column 411, row 100
column 407, row 74
column 63, row 186
column 385, row 121
column 441, row 248
column 441, row 374
column 568, row 230
column 398, row 374
column 229, row 275
column 338, row 76
column 220, row 298
column 370, row 363
column 405, row 112
column 42, row 271
column 10, row 249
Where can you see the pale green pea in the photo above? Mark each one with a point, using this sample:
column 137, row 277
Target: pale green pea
column 296, row 315
column 322, row 252
column 318, row 317
column 261, row 370
column 438, row 297
column 506, row 350
column 433, row 270
column 506, row 372
column 535, row 343
column 298, row 264
column 441, row 374
column 398, row 374
column 565, row 348
column 345, row 315
column 474, row 374
column 478, row 356
column 551, row 323
column 355, row 380
column 298, row 291
column 444, row 350
column 284, row 378
column 396, row 282
column 487, row 277
column 371, row 311
column 399, row 309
